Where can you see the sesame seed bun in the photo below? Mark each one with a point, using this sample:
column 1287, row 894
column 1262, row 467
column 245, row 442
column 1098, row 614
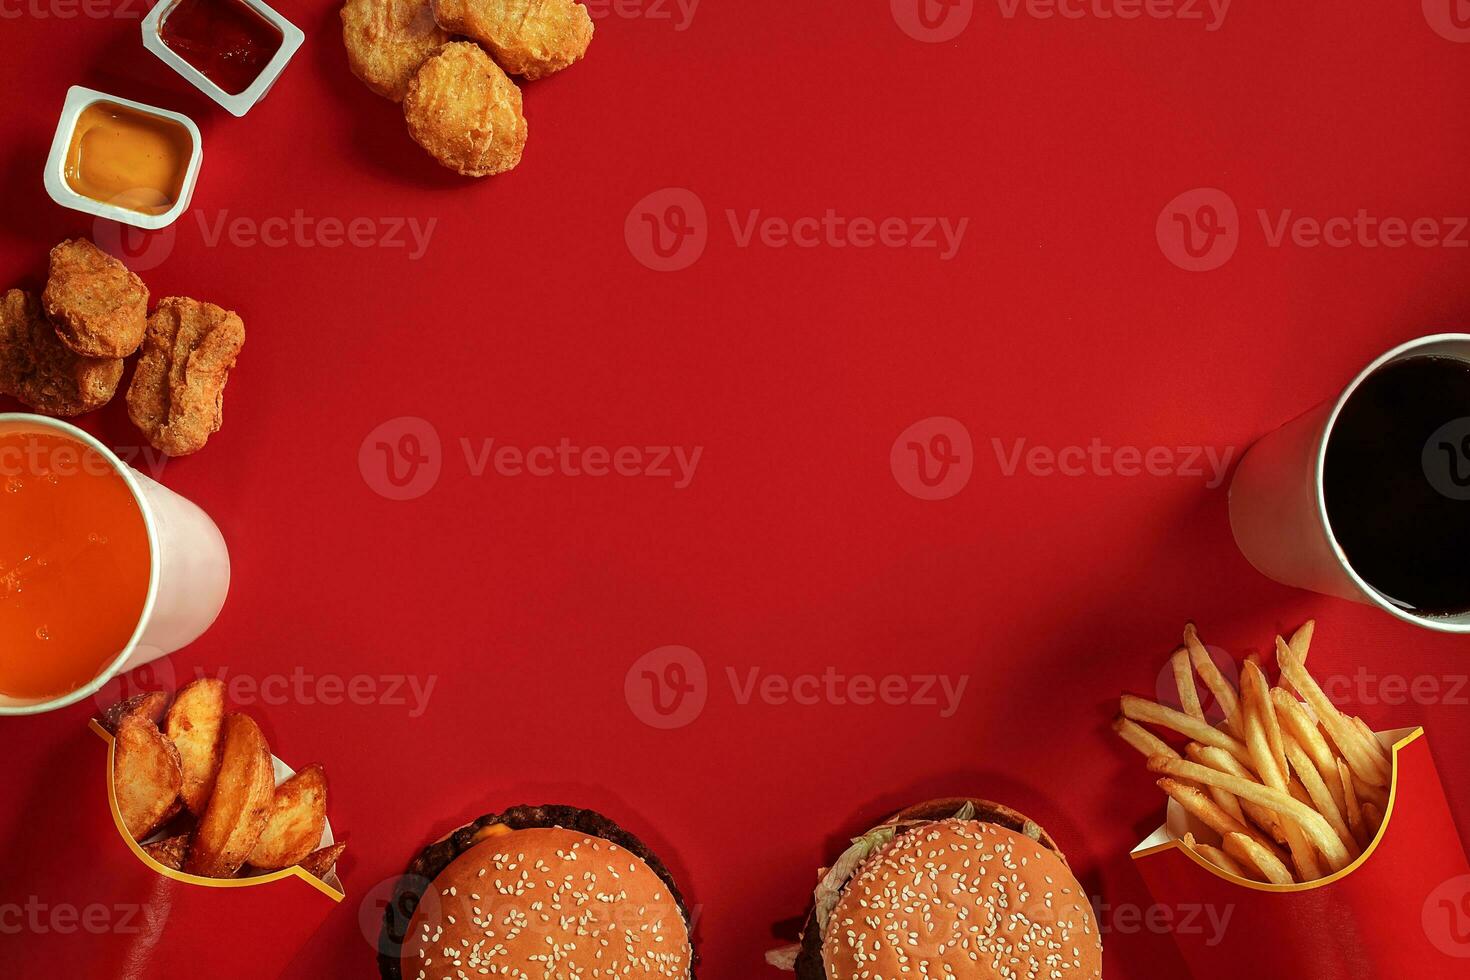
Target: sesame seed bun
column 509, row 896
column 966, row 898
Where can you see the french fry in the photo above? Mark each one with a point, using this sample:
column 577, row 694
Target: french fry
column 1218, row 858
column 1350, row 803
column 1344, row 735
column 1224, row 693
column 1371, row 737
column 1298, row 725
column 1269, row 866
column 1320, row 795
column 1372, row 820
column 1224, row 762
column 1144, row 710
column 1263, row 731
column 1199, row 805
column 1184, row 681
column 1227, row 801
column 1376, row 795
column 1260, row 719
column 1141, row 738
column 1301, row 640
column 1288, row 807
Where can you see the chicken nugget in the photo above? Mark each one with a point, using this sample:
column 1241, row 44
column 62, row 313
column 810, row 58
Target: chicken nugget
column 177, row 394
column 532, row 38
column 38, row 369
column 387, row 40
column 466, row 112
column 99, row 306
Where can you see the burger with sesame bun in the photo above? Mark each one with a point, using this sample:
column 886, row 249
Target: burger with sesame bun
column 959, row 888
column 541, row 892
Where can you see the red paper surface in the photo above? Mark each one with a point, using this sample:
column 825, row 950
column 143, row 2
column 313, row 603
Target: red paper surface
column 1381, row 919
column 795, row 548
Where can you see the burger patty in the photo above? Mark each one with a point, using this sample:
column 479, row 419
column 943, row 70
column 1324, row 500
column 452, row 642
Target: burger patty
column 432, row 861
column 809, row 962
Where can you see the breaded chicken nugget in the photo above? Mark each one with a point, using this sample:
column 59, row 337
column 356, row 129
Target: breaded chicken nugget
column 41, row 371
column 99, row 306
column 466, row 112
column 177, row 393
column 387, row 40
column 527, row 37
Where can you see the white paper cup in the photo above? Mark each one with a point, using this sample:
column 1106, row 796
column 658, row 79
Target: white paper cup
column 1278, row 508
column 189, row 574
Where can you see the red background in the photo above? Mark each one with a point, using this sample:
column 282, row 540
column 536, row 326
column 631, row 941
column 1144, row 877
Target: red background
column 794, row 548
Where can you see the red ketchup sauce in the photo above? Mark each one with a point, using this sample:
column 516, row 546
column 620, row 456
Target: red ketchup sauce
column 226, row 40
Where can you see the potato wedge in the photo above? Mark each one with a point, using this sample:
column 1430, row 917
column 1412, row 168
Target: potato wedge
column 193, row 723
column 320, row 863
column 169, row 852
column 239, row 805
column 150, row 704
column 146, row 775
column 298, row 814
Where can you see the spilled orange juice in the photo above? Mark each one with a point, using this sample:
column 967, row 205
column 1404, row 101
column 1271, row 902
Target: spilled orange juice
column 74, row 562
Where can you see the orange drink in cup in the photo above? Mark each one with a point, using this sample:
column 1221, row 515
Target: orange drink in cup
column 101, row 568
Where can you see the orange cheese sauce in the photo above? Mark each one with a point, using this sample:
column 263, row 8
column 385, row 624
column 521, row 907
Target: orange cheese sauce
column 132, row 159
column 74, row 563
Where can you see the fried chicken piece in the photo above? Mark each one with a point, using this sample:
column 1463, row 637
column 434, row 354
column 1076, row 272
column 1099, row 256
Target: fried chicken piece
column 177, row 393
column 466, row 112
column 99, row 306
column 39, row 370
column 387, row 41
column 532, row 38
